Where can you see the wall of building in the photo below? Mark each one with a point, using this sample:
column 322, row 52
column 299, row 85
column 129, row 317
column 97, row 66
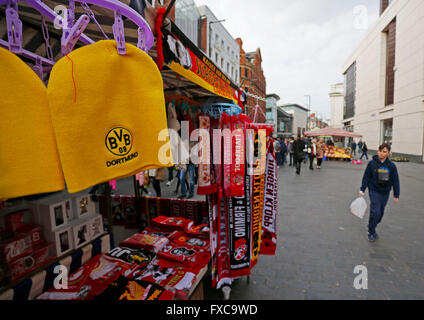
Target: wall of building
column 407, row 110
column 187, row 19
column 271, row 110
column 337, row 105
column 300, row 118
column 221, row 47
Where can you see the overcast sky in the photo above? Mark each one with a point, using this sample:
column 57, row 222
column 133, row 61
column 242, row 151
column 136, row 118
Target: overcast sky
column 304, row 43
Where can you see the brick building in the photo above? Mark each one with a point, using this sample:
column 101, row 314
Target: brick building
column 252, row 79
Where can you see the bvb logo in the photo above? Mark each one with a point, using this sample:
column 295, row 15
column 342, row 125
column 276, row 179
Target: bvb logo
column 119, row 141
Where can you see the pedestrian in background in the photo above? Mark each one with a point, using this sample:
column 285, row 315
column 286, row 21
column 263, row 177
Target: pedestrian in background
column 277, row 148
column 290, row 148
column 156, row 176
column 191, row 170
column 299, row 153
column 360, row 145
column 380, row 177
column 312, row 153
column 284, row 149
column 320, row 152
column 353, row 148
column 364, row 151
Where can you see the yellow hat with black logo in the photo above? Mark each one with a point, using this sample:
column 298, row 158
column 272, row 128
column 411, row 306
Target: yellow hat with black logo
column 29, row 160
column 108, row 113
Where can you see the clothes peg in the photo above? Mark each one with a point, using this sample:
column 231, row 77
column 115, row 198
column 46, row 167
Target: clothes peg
column 14, row 27
column 68, row 43
column 119, row 33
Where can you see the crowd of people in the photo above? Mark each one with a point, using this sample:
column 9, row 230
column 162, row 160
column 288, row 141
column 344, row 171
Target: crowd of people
column 296, row 150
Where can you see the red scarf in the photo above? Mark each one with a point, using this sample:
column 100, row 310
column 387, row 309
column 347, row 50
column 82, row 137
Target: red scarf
column 270, row 212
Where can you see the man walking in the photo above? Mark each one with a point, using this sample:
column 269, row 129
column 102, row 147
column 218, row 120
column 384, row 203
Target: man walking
column 291, row 151
column 353, row 147
column 364, row 151
column 299, row 153
column 284, row 149
column 380, row 177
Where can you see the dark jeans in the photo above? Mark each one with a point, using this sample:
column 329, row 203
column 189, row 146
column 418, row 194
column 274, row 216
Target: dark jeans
column 364, row 154
column 191, row 171
column 378, row 204
column 354, row 152
column 311, row 161
column 319, row 162
column 156, row 186
column 170, row 174
column 291, row 159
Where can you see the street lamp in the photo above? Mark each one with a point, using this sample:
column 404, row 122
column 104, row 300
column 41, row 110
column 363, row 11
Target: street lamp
column 210, row 36
column 309, row 110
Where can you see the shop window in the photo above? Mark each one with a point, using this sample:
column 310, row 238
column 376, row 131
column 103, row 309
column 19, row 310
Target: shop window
column 350, row 93
column 387, row 131
column 390, row 63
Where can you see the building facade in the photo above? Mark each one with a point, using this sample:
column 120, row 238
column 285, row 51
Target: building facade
column 187, row 18
column 300, row 118
column 218, row 44
column 337, row 105
column 384, row 81
column 281, row 120
column 252, row 79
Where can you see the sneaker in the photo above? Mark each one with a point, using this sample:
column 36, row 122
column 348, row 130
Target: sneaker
column 181, row 197
column 371, row 237
column 190, row 196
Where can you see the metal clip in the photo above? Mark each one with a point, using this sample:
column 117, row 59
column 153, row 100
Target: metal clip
column 119, row 33
column 68, row 43
column 14, row 27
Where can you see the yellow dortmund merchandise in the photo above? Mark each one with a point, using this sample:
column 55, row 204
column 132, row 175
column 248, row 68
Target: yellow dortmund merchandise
column 29, row 160
column 107, row 112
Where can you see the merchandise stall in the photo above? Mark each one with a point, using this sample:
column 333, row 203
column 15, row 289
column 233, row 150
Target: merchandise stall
column 50, row 219
column 334, row 150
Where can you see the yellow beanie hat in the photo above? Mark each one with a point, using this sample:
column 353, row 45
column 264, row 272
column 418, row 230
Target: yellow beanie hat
column 107, row 111
column 29, row 160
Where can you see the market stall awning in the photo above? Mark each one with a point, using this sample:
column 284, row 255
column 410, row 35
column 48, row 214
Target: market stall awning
column 332, row 132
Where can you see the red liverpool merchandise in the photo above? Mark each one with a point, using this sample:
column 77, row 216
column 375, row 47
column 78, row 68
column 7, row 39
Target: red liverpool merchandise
column 223, row 253
column 171, row 223
column 187, row 256
column 228, row 152
column 125, row 289
column 14, row 221
column 184, row 239
column 191, row 210
column 269, row 221
column 213, row 221
column 238, row 172
column 155, row 231
column 177, row 278
column 149, row 243
column 240, row 233
column 176, row 208
column 205, row 185
column 202, row 231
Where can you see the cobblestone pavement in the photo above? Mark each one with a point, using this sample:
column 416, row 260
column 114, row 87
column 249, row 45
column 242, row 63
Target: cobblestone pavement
column 320, row 242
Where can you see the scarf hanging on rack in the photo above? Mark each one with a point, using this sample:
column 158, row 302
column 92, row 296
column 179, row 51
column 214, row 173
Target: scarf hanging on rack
column 240, row 234
column 223, row 252
column 227, row 156
column 238, row 172
column 205, row 186
column 258, row 183
column 213, row 222
column 269, row 221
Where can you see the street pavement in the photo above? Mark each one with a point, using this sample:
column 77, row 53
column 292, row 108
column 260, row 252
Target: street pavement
column 320, row 242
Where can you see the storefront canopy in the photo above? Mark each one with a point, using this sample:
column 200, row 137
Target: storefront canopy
column 332, row 132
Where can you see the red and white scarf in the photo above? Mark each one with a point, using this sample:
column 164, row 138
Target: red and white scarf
column 270, row 212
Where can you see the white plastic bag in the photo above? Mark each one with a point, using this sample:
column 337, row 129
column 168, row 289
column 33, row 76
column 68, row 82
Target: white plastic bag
column 358, row 207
